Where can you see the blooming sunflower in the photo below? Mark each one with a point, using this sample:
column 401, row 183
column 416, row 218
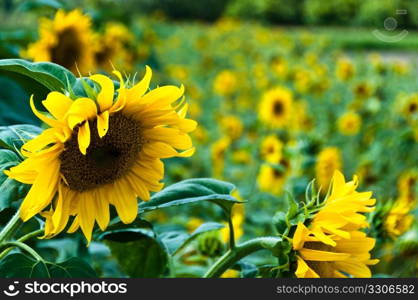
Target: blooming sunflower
column 329, row 160
column 332, row 245
column 276, row 107
column 218, row 151
column 66, row 40
column 225, row 83
column 399, row 219
column 271, row 149
column 349, row 123
column 101, row 152
column 345, row 69
column 410, row 107
column 232, row 126
column 271, row 179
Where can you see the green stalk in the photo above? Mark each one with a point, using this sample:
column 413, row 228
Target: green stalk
column 23, row 247
column 234, row 255
column 22, row 239
column 11, row 227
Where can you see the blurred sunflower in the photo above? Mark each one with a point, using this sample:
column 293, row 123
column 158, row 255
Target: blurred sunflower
column 66, row 40
column 101, row 152
column 332, row 245
column 349, row 123
column 276, row 107
column 218, row 151
column 225, row 83
column 232, row 126
column 271, row 179
column 111, row 47
column 398, row 220
column 329, row 160
column 408, row 185
column 410, row 107
column 271, row 149
column 363, row 90
column 345, row 69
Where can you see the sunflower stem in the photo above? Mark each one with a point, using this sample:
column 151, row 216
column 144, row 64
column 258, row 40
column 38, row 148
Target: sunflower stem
column 22, row 239
column 11, row 227
column 23, row 247
column 231, row 233
column 234, row 255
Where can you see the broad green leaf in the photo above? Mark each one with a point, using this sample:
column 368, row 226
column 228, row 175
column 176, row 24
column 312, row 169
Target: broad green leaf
column 54, row 77
column 22, row 266
column 13, row 137
column 71, row 268
column 14, row 104
column 192, row 191
column 10, row 190
column 138, row 252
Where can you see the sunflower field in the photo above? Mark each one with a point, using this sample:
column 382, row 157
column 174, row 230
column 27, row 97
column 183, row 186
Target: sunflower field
column 138, row 141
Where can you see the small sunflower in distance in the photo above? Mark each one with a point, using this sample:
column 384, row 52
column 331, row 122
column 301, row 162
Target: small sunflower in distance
column 66, row 40
column 333, row 245
column 276, row 107
column 101, row 152
column 271, row 149
column 329, row 160
column 349, row 123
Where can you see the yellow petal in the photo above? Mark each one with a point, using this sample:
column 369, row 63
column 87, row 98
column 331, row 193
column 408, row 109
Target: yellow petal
column 57, row 104
column 81, row 110
column 304, row 271
column 135, row 93
column 86, row 208
column 125, row 202
column 103, row 124
column 43, row 118
column 105, row 96
column 84, row 137
column 318, row 255
column 300, row 235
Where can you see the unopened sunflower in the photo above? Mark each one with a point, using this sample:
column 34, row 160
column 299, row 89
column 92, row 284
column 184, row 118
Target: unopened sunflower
column 276, row 107
column 100, row 152
column 66, row 40
column 332, row 244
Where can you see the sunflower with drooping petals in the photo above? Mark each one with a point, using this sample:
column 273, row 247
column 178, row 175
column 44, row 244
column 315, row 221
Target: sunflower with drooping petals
column 66, row 40
column 333, row 245
column 101, row 152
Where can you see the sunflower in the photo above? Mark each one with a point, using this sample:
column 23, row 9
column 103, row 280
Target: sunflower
column 271, row 149
column 363, row 90
column 101, row 152
column 332, row 245
column 345, row 69
column 218, row 151
column 329, row 160
column 276, row 107
column 398, row 220
column 349, row 123
column 232, row 126
column 66, row 40
column 407, row 186
column 271, row 179
column 225, row 83
column 410, row 107
column 112, row 47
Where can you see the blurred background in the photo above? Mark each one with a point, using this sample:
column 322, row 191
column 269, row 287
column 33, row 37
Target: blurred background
column 284, row 91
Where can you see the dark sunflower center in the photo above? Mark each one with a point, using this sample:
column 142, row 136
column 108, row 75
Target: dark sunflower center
column 412, row 108
column 104, row 55
column 278, row 107
column 67, row 50
column 107, row 159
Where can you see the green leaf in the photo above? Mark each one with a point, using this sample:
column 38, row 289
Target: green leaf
column 20, row 265
column 10, row 190
column 138, row 251
column 71, row 268
column 13, row 137
column 280, row 223
column 192, row 191
column 54, row 77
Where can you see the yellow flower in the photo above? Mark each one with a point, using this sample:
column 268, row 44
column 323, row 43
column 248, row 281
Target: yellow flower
column 276, row 107
column 410, row 106
column 238, row 217
column 101, row 152
column 111, row 47
column 345, row 69
column 349, row 123
column 271, row 149
column 407, row 186
column 193, row 224
column 241, row 156
column 271, row 179
column 232, row 126
column 230, row 273
column 218, row 155
column 66, row 40
column 332, row 245
column 363, row 90
column 398, row 220
column 329, row 160
column 225, row 83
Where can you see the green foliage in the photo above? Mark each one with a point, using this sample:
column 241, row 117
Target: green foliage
column 139, row 252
